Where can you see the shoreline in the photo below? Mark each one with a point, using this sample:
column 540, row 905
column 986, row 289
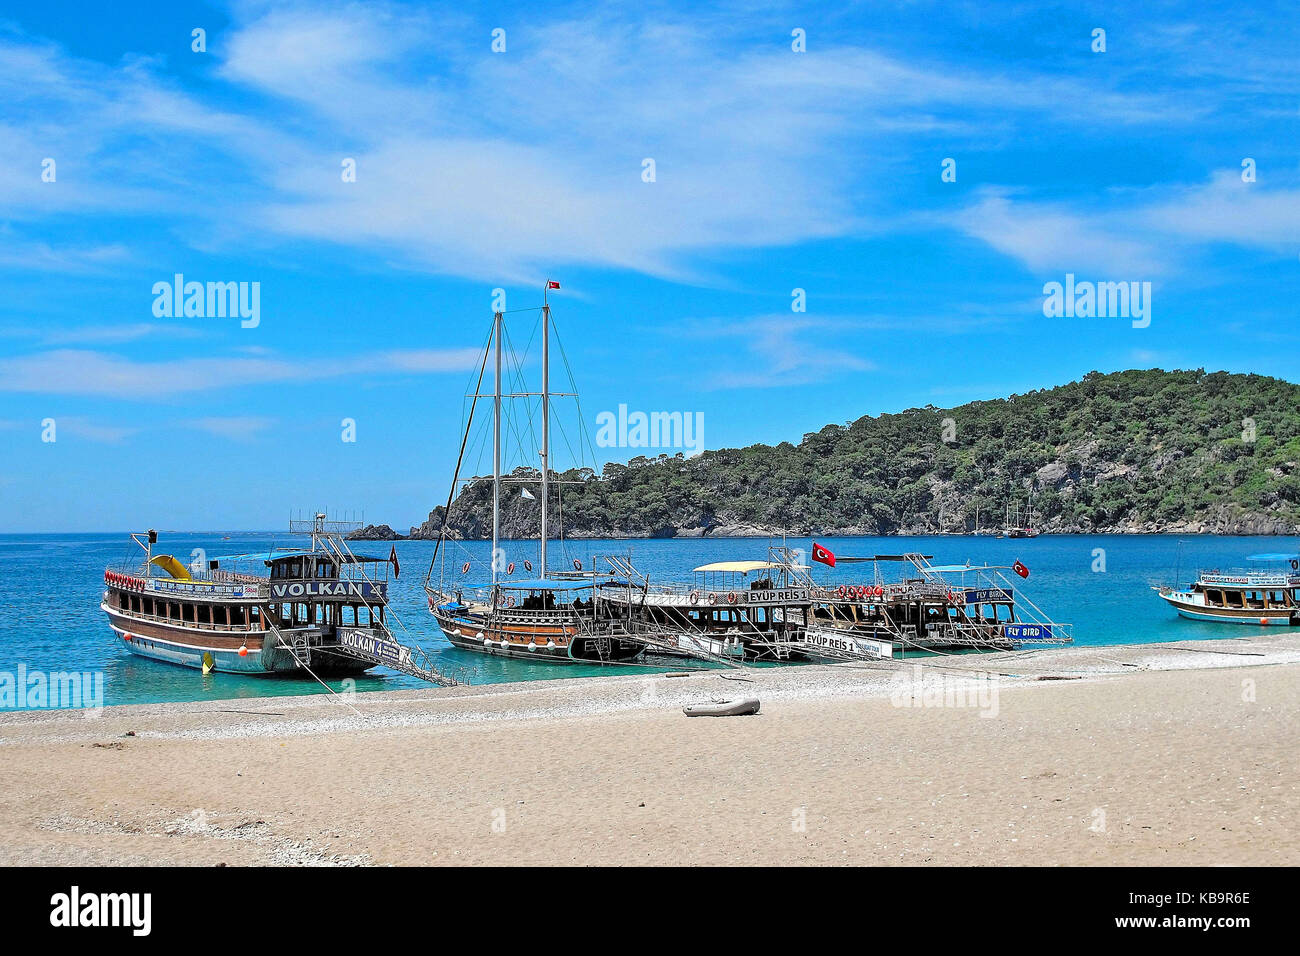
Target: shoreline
column 1011, row 757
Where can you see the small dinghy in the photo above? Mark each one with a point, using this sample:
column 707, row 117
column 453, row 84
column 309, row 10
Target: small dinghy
column 723, row 708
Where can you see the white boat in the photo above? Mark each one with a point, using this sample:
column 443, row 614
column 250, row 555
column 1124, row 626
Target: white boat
column 742, row 707
column 1261, row 597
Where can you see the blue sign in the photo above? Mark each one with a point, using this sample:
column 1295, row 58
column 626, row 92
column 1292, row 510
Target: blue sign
column 1027, row 632
column 987, row 595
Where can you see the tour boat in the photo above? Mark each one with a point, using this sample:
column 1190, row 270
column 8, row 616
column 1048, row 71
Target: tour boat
column 936, row 607
column 552, row 616
column 775, row 610
column 1259, row 596
column 319, row 609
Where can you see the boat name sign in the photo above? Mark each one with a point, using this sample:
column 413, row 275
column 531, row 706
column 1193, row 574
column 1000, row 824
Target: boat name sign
column 1027, row 632
column 818, row 637
column 776, row 596
column 311, row 589
column 386, row 652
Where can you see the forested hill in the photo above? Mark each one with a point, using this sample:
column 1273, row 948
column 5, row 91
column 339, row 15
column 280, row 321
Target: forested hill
column 1125, row 451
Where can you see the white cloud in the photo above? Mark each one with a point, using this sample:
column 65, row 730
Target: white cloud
column 777, row 351
column 485, row 166
column 489, row 166
column 83, row 372
column 1229, row 210
column 1051, row 238
column 234, row 427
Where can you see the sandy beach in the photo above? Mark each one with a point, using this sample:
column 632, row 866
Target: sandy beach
column 1146, row 754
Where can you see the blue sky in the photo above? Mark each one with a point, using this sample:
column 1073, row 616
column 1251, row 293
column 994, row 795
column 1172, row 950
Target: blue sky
column 774, row 170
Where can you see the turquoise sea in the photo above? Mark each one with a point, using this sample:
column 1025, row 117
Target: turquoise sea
column 50, row 618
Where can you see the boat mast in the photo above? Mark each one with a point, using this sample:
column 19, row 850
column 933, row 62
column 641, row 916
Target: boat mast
column 546, row 419
column 496, row 447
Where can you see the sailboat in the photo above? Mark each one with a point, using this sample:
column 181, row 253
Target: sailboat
column 551, row 617
column 1023, row 524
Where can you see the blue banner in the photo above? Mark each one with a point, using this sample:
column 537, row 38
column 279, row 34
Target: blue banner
column 1027, row 632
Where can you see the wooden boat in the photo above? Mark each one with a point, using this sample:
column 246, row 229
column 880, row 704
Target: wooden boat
column 933, row 607
column 1260, row 597
column 775, row 610
column 551, row 617
column 319, row 609
column 730, row 610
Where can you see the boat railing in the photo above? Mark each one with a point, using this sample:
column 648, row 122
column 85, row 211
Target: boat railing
column 246, row 628
column 897, row 591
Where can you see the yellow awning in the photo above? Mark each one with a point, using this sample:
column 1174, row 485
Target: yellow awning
column 744, row 567
column 171, row 566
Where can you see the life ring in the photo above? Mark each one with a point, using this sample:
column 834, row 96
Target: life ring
column 510, row 568
column 863, row 590
column 713, row 598
column 510, row 601
column 732, row 597
column 695, row 597
column 577, row 565
column 528, row 566
column 464, row 568
column 879, row 591
column 951, row 599
column 841, row 591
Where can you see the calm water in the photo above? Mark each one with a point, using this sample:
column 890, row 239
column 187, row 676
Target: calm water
column 50, row 618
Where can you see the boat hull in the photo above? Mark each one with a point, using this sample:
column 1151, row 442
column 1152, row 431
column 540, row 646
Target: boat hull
column 1257, row 617
column 250, row 653
column 554, row 643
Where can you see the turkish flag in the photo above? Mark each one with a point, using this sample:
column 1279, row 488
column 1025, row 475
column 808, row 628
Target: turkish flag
column 552, row 284
column 392, row 556
column 823, row 555
column 1020, row 569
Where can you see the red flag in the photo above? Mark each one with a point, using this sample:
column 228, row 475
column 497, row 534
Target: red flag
column 392, row 556
column 823, row 555
column 552, row 284
column 1020, row 569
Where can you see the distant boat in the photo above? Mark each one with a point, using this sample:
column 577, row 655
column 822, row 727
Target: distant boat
column 1020, row 525
column 1253, row 596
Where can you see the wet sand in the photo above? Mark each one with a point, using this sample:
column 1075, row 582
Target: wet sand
column 1146, row 754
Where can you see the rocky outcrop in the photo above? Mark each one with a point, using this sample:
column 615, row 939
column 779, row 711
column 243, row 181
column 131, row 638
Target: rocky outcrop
column 375, row 532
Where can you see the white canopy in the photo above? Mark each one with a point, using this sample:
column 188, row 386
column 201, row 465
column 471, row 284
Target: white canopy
column 744, row 567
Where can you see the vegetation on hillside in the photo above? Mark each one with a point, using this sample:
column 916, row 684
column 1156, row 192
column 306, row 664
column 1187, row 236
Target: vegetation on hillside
column 1125, row 451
